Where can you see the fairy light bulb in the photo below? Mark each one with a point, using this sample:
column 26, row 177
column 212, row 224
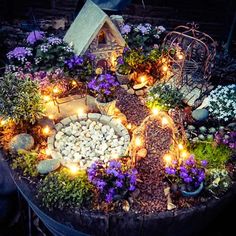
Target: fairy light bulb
column 46, row 130
column 184, row 154
column 129, row 126
column 46, row 98
column 164, row 121
column 155, row 111
column 138, row 142
column 73, row 169
column 180, row 146
column 167, row 159
column 3, row 122
column 56, row 90
column 74, row 83
column 165, row 68
column 80, row 111
column 51, row 117
column 180, row 56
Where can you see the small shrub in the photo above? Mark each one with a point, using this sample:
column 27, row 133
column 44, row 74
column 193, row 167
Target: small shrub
column 26, row 162
column 60, row 190
column 20, row 99
column 218, row 181
column 164, row 97
column 216, row 155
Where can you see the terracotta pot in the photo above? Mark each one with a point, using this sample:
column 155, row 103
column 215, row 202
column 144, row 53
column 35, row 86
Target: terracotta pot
column 123, row 79
column 106, row 108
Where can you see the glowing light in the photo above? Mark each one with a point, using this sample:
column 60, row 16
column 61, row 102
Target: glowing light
column 51, row 117
column 73, row 82
column 46, row 130
column 164, row 121
column 180, row 146
column 138, row 142
column 81, row 111
column 155, row 111
column 167, row 159
column 143, row 79
column 119, row 120
column 46, row 98
column 56, row 90
column 3, row 122
column 165, row 68
column 129, row 126
column 73, row 169
column 163, row 60
column 47, row 152
column 180, row 56
column 184, row 154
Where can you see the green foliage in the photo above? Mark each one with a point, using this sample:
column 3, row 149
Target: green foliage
column 164, row 97
column 61, row 189
column 216, row 155
column 26, row 162
column 218, row 181
column 20, row 99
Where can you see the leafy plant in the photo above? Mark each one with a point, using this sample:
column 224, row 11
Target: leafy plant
column 20, row 100
column 112, row 180
column 51, row 54
column 216, row 155
column 60, row 190
column 164, row 96
column 187, row 174
column 218, row 181
column 80, row 66
column 26, row 162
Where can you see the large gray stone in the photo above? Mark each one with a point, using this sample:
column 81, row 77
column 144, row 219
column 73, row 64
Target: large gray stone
column 21, row 141
column 200, row 114
column 47, row 166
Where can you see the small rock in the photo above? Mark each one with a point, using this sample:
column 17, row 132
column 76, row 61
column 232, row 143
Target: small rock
column 47, row 166
column 202, row 129
column 125, row 205
column 212, row 130
column 191, row 127
column 130, row 91
column 232, row 126
column 124, row 86
column 139, row 93
column 200, row 114
column 142, row 152
column 21, row 141
column 210, row 137
column 201, row 136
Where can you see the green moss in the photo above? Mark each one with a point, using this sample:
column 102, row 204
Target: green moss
column 26, row 162
column 216, row 155
column 60, row 190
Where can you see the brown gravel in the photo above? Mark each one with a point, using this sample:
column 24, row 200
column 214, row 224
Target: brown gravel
column 151, row 171
column 131, row 106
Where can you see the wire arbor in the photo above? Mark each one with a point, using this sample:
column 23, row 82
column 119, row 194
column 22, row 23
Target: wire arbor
column 194, row 58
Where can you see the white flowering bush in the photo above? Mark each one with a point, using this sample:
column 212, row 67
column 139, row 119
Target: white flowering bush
column 222, row 102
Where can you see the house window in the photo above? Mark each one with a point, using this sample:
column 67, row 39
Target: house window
column 101, row 38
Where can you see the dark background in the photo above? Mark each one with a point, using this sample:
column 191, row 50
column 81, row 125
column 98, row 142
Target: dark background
column 215, row 17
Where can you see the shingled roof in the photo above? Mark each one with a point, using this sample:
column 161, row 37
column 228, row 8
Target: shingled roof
column 87, row 25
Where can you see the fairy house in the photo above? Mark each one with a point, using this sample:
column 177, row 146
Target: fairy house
column 93, row 31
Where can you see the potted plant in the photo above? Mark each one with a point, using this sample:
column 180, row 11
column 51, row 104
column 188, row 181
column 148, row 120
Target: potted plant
column 104, row 86
column 187, row 176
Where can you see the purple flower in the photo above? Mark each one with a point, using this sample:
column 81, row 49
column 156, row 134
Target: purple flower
column 183, row 175
column 170, row 171
column 35, row 36
column 109, row 197
column 188, row 179
column 119, row 184
column 114, row 164
column 19, row 53
column 120, row 61
column 132, row 187
column 232, row 145
column 54, row 40
column 204, row 163
column 125, row 29
column 101, row 184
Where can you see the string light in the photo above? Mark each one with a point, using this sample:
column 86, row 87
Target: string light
column 129, row 126
column 164, row 121
column 155, row 111
column 167, row 159
column 184, row 154
column 73, row 169
column 138, row 142
column 74, row 83
column 51, row 117
column 180, row 56
column 56, row 90
column 165, row 68
column 180, row 146
column 80, row 111
column 3, row 122
column 46, row 130
column 46, row 98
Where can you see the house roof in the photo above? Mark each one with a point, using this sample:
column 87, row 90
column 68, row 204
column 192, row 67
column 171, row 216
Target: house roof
column 87, row 25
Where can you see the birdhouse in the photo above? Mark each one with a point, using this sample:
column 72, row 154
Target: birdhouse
column 93, row 31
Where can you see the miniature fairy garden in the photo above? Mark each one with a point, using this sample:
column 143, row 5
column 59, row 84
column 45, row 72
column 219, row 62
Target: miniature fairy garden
column 130, row 142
